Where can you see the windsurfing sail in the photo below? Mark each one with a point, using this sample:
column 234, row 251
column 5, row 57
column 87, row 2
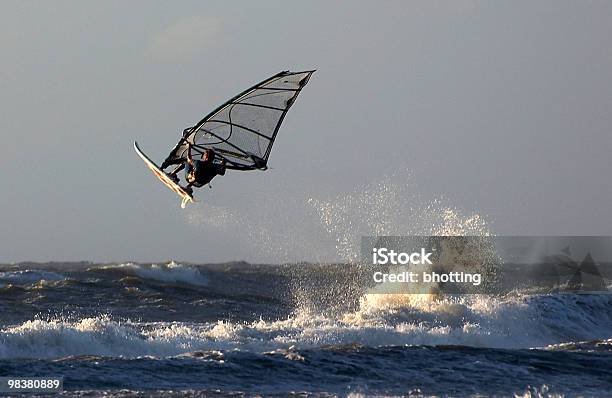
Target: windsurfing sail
column 243, row 129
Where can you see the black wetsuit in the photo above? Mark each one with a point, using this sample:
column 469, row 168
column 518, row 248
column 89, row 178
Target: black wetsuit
column 204, row 172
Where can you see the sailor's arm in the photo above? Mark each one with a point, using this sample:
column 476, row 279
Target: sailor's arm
column 189, row 157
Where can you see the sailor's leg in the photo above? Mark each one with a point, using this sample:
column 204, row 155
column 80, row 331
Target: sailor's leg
column 173, row 173
column 165, row 164
column 187, row 188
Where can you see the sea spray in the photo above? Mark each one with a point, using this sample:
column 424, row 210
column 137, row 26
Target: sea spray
column 393, row 206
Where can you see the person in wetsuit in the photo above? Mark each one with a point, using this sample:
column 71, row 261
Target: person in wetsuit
column 199, row 172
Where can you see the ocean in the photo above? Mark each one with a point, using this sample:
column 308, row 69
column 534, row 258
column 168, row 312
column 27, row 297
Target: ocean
column 240, row 329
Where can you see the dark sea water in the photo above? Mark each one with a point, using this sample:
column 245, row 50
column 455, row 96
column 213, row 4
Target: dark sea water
column 240, row 329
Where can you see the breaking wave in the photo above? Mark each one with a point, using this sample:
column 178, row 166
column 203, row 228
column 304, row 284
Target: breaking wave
column 168, row 273
column 517, row 321
column 26, row 277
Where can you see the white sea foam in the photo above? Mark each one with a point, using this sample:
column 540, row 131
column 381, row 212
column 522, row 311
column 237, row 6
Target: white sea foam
column 512, row 322
column 542, row 391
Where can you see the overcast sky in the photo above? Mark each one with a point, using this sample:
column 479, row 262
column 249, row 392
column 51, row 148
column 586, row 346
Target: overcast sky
column 502, row 109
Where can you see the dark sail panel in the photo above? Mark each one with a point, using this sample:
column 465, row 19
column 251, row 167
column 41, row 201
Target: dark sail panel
column 242, row 130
